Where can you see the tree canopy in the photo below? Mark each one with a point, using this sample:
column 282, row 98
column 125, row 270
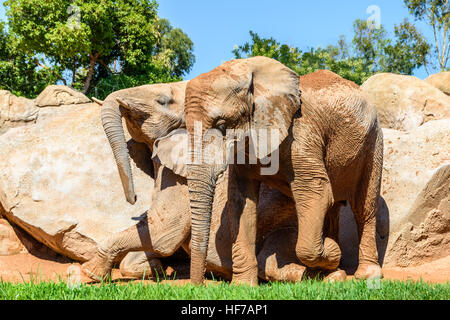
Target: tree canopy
column 436, row 13
column 95, row 42
column 371, row 51
column 21, row 73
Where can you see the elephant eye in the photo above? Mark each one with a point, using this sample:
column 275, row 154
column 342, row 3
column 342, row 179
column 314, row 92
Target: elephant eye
column 220, row 125
column 163, row 100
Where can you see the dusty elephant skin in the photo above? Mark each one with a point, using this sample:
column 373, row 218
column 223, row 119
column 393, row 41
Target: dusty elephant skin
column 330, row 153
column 167, row 226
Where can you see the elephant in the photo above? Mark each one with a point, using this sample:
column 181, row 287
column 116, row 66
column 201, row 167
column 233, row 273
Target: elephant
column 323, row 133
column 155, row 113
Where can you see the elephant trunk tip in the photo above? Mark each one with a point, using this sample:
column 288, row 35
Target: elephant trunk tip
column 132, row 198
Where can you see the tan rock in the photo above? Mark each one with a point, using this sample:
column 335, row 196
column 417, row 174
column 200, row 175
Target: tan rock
column 405, row 102
column 57, row 95
column 425, row 235
column 10, row 243
column 441, row 81
column 15, row 111
column 413, row 223
column 59, row 182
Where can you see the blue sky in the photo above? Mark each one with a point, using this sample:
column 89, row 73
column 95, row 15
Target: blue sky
column 217, row 26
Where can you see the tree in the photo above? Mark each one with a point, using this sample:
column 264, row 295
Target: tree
column 20, row 73
column 436, row 13
column 177, row 46
column 372, row 51
column 409, row 52
column 369, row 44
column 403, row 53
column 87, row 37
column 269, row 47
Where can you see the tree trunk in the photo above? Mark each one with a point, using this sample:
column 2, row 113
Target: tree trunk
column 87, row 83
column 73, row 71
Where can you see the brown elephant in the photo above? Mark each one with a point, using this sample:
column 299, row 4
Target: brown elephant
column 329, row 150
column 156, row 113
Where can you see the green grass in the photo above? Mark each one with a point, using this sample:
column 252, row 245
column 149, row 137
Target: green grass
column 308, row 290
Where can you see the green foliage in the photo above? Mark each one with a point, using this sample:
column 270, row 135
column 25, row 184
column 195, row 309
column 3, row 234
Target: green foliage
column 436, row 14
column 120, row 81
column 20, row 73
column 409, row 52
column 402, row 54
column 85, row 38
column 176, row 48
column 369, row 44
column 287, row 55
column 334, row 58
column 305, row 290
column 371, row 52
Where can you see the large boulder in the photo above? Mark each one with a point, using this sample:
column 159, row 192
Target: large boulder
column 59, row 182
column 441, row 81
column 405, row 102
column 15, row 111
column 413, row 223
column 58, row 95
column 10, row 243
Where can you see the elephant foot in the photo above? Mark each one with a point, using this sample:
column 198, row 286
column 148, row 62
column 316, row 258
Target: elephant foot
column 248, row 278
column 98, row 268
column 290, row 273
column 368, row 271
column 336, row 276
column 326, row 259
column 141, row 265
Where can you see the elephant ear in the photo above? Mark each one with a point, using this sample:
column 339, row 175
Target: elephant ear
column 276, row 100
column 172, row 151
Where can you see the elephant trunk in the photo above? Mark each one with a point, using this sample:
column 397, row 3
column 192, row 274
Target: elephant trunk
column 112, row 124
column 201, row 184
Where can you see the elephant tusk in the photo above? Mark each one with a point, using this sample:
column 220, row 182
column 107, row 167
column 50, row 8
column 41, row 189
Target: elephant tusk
column 122, row 103
column 97, row 101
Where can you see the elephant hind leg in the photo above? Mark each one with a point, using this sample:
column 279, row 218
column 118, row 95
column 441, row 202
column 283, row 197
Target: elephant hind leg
column 365, row 209
column 277, row 260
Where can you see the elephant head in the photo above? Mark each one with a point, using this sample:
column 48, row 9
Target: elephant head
column 151, row 112
column 254, row 96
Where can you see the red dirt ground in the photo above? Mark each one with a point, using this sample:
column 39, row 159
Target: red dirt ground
column 27, row 267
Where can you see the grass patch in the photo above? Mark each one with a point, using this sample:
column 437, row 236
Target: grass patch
column 308, row 290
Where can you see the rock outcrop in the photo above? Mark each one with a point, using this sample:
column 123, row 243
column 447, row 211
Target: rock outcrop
column 15, row 111
column 10, row 243
column 405, row 102
column 413, row 223
column 441, row 81
column 59, row 182
column 57, row 95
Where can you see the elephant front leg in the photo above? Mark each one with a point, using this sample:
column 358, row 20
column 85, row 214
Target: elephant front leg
column 158, row 234
column 116, row 247
column 313, row 196
column 243, row 199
